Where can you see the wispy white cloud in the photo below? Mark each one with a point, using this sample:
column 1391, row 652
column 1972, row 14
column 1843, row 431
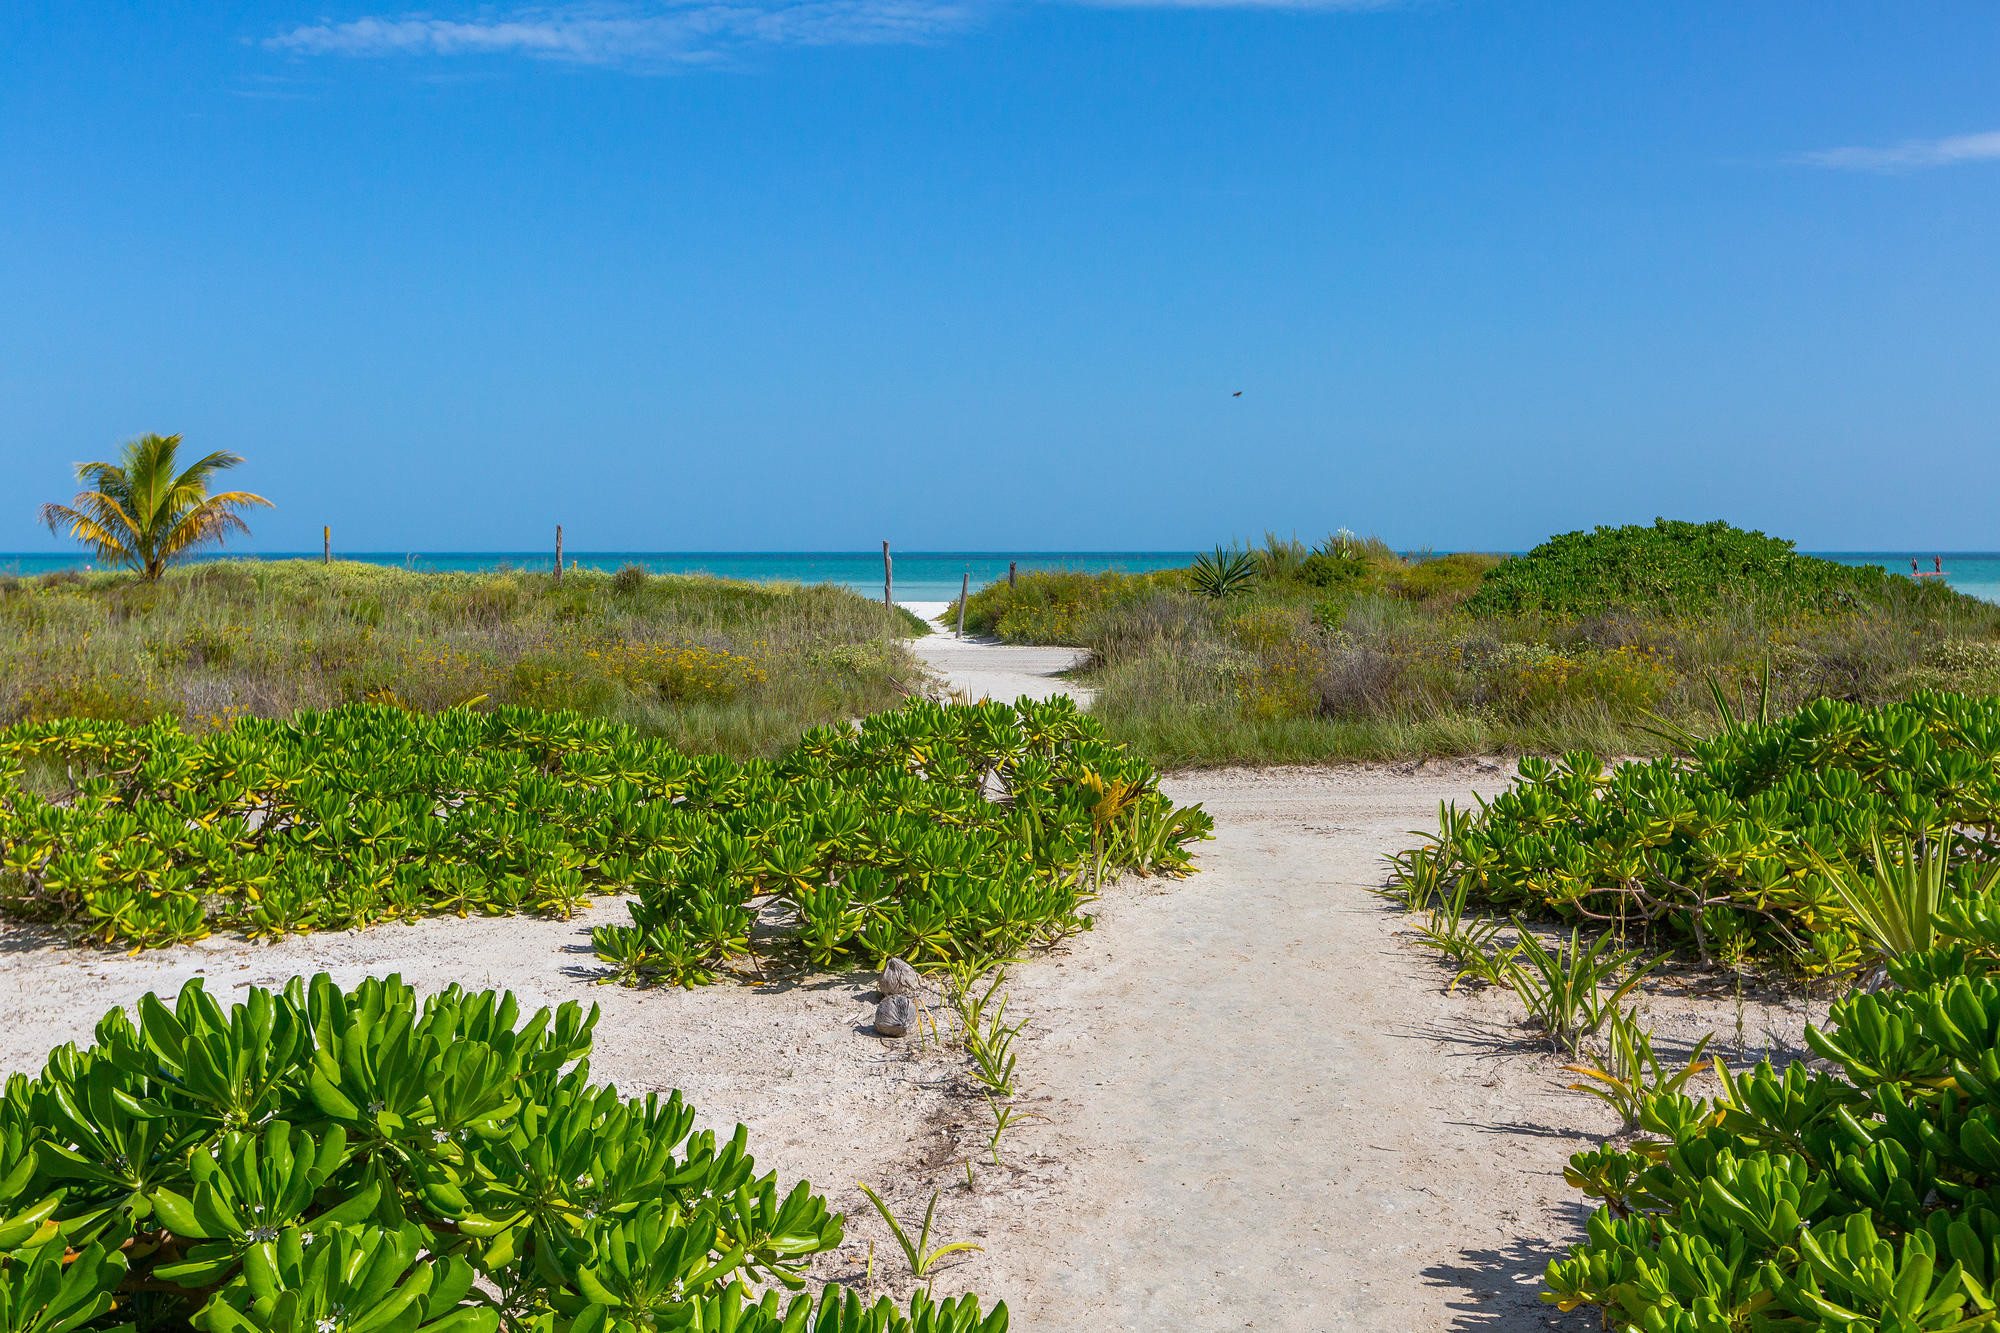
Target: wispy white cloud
column 690, row 33
column 1911, row 154
column 670, row 32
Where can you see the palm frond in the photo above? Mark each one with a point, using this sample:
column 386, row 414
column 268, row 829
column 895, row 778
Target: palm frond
column 146, row 512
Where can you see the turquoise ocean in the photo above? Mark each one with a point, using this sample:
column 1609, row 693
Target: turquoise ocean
column 932, row 576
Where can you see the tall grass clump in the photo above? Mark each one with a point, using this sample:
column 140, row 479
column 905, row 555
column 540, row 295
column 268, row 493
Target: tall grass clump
column 711, row 664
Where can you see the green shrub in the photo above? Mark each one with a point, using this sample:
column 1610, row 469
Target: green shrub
column 1684, row 568
column 881, row 839
column 313, row 1161
column 1866, row 1197
column 1730, row 850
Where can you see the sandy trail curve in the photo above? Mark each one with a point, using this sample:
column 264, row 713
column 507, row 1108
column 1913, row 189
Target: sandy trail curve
column 988, row 669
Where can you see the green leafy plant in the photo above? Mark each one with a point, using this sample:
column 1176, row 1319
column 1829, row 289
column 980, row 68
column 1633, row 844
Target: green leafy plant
column 1562, row 987
column 880, row 840
column 1671, row 565
column 1861, row 1196
column 918, row 1253
column 1629, row 1072
column 1221, row 573
column 1896, row 902
column 315, row 1160
column 1764, row 837
column 1472, row 943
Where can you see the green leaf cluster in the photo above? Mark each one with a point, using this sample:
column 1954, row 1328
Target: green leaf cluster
column 320, row 1161
column 1729, row 850
column 936, row 833
column 1680, row 568
column 883, row 839
column 1864, row 1197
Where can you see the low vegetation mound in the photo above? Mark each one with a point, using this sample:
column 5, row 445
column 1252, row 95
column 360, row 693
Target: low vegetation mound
column 1862, row 1195
column 712, row 664
column 1739, row 850
column 1349, row 650
column 864, row 842
column 313, row 1161
column 1676, row 568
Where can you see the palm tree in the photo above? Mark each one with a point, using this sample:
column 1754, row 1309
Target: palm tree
column 143, row 513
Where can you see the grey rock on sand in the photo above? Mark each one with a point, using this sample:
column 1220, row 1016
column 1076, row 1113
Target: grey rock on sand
column 899, row 978
column 895, row 1016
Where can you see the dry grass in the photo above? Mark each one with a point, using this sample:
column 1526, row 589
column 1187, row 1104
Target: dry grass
column 711, row 664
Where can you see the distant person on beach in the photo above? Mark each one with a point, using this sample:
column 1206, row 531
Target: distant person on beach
column 1937, row 564
column 1913, row 566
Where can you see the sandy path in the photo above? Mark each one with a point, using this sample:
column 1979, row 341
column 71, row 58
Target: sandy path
column 986, row 669
column 1268, row 1114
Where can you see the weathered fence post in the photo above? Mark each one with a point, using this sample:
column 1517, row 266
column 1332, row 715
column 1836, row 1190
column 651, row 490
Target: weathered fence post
column 558, row 553
column 326, row 545
column 964, row 587
column 1010, row 573
column 888, row 577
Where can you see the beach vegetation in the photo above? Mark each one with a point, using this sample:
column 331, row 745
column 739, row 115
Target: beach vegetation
column 1825, row 840
column 313, row 1160
column 1220, row 573
column 146, row 511
column 712, row 665
column 862, row 843
column 1604, row 640
column 1859, row 1194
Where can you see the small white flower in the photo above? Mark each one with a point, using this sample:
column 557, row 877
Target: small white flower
column 374, row 1108
column 305, row 1238
column 327, row 1325
column 439, row 1136
column 258, row 1235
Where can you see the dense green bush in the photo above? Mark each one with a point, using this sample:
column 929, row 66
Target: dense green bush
column 1864, row 1199
column 1680, row 568
column 880, row 839
column 313, row 1161
column 1729, row 849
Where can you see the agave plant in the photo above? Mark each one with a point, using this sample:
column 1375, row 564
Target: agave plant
column 1221, row 573
column 146, row 512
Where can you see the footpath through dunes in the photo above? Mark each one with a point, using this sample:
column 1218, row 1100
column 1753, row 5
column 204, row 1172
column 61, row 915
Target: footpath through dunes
column 988, row 669
column 1262, row 1111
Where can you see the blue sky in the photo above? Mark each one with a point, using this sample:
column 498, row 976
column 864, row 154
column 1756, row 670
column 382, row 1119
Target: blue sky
column 988, row 273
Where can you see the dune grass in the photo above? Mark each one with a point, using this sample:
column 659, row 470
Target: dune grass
column 1349, row 650
column 714, row 665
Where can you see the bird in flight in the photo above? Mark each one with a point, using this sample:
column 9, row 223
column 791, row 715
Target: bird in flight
column 1237, row 394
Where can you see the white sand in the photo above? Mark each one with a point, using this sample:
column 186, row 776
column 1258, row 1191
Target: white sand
column 975, row 668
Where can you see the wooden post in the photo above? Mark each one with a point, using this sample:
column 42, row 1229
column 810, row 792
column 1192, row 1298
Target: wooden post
column 888, row 577
column 326, row 545
column 558, row 553
column 1010, row 573
column 964, row 587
